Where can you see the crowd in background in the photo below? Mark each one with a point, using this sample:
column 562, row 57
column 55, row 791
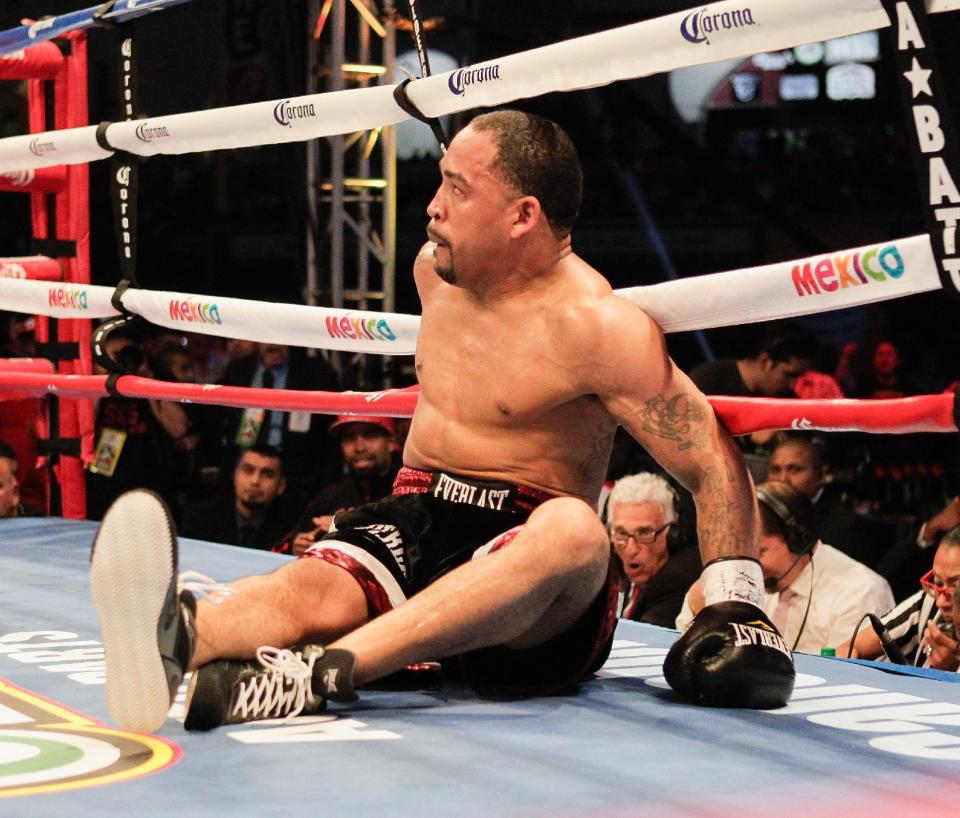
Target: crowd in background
column 273, row 480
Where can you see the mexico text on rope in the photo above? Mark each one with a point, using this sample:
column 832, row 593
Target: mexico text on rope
column 829, row 281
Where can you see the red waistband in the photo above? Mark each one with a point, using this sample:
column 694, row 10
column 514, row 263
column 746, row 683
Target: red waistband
column 492, row 494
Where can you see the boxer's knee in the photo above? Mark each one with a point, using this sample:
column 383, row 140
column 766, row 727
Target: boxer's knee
column 568, row 530
column 323, row 597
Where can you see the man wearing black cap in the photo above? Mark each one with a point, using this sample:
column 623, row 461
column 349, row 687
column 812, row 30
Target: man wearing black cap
column 369, row 448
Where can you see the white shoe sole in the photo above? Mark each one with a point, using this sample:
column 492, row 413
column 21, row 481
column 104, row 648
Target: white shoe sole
column 133, row 563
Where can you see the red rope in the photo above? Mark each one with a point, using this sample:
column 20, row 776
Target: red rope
column 924, row 413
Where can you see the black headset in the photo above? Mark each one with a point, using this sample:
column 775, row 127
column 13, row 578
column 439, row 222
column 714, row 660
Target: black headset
column 800, row 537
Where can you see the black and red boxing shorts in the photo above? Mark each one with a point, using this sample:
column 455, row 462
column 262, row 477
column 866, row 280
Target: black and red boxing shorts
column 434, row 522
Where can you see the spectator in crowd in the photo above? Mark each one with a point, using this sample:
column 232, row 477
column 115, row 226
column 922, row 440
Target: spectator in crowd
column 874, row 370
column 136, row 438
column 644, row 532
column 17, row 335
column 10, row 504
column 251, row 515
column 782, row 354
column 175, row 364
column 923, row 625
column 816, row 594
column 301, row 437
column 913, row 554
column 799, row 461
column 369, row 449
column 815, row 385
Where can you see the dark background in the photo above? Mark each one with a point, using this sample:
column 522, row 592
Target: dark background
column 743, row 188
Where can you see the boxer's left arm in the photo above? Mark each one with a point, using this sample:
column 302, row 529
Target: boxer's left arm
column 731, row 655
column 671, row 418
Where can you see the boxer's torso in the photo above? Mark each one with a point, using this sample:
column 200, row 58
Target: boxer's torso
column 506, row 387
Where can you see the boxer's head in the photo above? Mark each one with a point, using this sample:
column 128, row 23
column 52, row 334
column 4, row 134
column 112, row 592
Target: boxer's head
column 508, row 178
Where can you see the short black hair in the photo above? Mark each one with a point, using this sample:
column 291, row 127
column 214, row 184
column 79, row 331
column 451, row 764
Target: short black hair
column 783, row 340
column 7, row 452
column 798, row 506
column 263, row 450
column 537, row 158
column 815, row 446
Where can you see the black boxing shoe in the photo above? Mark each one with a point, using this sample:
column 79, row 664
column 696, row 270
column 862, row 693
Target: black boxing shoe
column 279, row 683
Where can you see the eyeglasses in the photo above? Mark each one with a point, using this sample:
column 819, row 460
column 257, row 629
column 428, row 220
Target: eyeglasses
column 642, row 536
column 930, row 583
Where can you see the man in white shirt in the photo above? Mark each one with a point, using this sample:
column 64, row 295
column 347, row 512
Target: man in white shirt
column 815, row 594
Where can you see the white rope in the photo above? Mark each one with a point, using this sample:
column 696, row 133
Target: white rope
column 845, row 278
column 719, row 31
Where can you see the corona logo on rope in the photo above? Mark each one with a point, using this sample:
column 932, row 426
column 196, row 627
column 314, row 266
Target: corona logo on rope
column 698, row 25
column 44, row 748
column 71, row 298
column 147, row 134
column 285, row 113
column 832, row 273
column 463, row 77
column 348, row 326
column 38, row 148
column 195, row 312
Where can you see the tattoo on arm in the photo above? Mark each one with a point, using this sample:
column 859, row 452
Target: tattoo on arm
column 719, row 522
column 679, row 418
column 595, row 464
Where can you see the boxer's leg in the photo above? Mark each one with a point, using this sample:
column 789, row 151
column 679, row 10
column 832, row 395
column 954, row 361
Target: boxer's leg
column 307, row 600
column 152, row 634
column 519, row 596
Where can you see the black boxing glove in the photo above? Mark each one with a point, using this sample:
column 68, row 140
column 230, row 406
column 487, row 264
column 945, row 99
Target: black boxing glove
column 731, row 656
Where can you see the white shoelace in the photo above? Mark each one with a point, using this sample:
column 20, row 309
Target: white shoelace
column 283, row 690
column 201, row 585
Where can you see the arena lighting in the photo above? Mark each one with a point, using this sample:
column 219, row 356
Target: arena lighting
column 851, row 81
column 361, row 68
column 795, row 87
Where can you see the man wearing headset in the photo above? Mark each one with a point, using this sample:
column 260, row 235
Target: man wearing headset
column 644, row 531
column 815, row 594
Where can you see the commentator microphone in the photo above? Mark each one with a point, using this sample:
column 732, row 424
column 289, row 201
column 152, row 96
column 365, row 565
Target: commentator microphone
column 894, row 654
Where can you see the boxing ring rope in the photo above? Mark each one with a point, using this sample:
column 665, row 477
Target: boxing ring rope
column 923, row 413
column 845, row 278
column 35, row 268
column 23, row 37
column 711, row 33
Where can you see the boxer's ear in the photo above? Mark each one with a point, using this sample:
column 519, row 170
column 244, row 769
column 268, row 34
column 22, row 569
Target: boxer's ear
column 527, row 215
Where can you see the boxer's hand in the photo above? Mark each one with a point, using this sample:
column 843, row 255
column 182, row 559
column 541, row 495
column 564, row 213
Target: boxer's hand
column 731, row 656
